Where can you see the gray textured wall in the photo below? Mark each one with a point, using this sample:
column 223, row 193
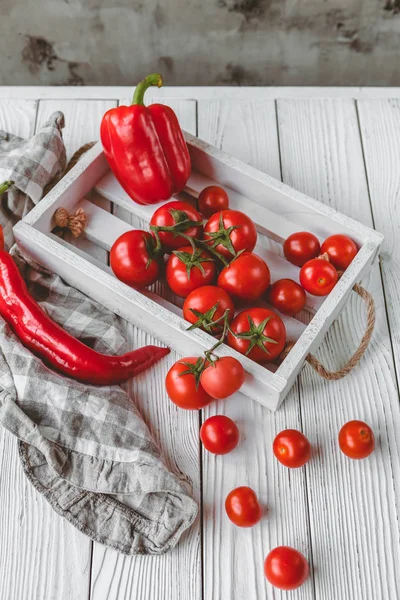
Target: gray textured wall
column 194, row 42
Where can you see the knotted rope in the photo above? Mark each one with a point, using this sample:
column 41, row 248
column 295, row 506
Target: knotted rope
column 76, row 222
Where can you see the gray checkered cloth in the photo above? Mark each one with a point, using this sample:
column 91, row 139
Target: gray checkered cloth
column 85, row 448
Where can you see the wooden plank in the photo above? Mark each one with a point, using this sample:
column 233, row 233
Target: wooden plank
column 241, row 93
column 41, row 555
column 352, row 504
column 177, row 574
column 233, row 557
column 380, row 128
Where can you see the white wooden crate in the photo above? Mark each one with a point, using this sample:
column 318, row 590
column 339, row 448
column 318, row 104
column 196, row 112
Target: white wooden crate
column 277, row 209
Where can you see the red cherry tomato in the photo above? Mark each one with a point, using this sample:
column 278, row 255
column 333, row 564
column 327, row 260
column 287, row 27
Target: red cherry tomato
column 170, row 214
column 263, row 334
column 181, row 386
column 131, row 259
column 286, row 568
column 287, row 296
column 356, row 439
column 242, row 507
column 301, row 247
column 230, row 231
column 223, row 377
column 187, row 270
column 340, row 249
column 292, row 448
column 246, row 278
column 318, row 277
column 206, row 305
column 212, row 199
column 219, row 434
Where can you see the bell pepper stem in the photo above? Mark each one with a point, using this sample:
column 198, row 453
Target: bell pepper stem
column 4, row 186
column 153, row 79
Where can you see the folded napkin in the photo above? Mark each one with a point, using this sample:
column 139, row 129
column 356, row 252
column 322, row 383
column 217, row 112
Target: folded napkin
column 85, row 448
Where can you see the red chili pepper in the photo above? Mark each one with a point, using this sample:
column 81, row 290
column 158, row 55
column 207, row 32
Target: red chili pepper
column 145, row 147
column 57, row 348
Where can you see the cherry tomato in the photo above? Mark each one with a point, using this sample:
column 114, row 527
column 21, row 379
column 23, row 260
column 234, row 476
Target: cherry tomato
column 301, row 247
column 286, row 568
column 292, row 448
column 340, row 249
column 318, row 277
column 356, row 439
column 223, row 378
column 212, row 199
column 242, row 507
column 246, row 278
column 131, row 259
column 219, row 434
column 206, row 305
column 287, row 296
column 173, row 213
column 230, row 231
column 181, row 387
column 187, row 270
column 262, row 334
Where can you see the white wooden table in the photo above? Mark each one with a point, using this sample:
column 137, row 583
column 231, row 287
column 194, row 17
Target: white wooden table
column 341, row 146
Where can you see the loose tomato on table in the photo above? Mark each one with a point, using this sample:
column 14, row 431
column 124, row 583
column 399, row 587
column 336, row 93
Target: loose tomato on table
column 287, row 296
column 208, row 304
column 134, row 260
column 188, row 269
column 341, row 250
column 318, row 277
column 212, row 199
column 229, row 232
column 301, row 247
column 173, row 218
column 292, row 448
column 219, row 434
column 246, row 278
column 356, row 440
column 223, row 377
column 242, row 507
column 286, row 568
column 259, row 333
column 183, row 386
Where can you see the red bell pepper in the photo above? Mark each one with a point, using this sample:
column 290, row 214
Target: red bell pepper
column 145, row 147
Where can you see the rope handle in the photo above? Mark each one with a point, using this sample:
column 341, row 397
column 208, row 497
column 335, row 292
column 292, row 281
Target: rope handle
column 358, row 354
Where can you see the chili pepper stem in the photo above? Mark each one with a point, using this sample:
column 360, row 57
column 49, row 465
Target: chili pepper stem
column 142, row 86
column 4, row 186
